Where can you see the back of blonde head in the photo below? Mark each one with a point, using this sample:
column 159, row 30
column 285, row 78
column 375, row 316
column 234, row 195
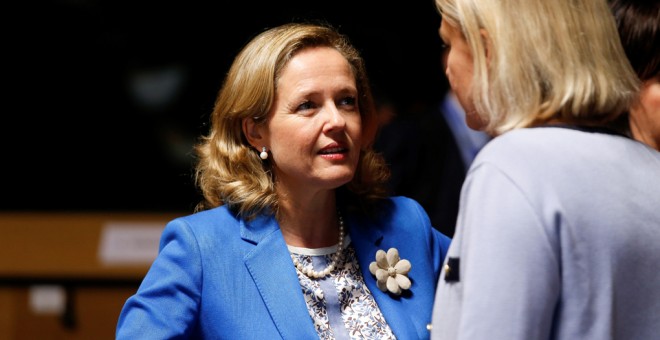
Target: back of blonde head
column 548, row 61
column 229, row 171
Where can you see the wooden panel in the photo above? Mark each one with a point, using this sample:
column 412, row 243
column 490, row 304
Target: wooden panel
column 62, row 249
column 94, row 315
column 63, row 245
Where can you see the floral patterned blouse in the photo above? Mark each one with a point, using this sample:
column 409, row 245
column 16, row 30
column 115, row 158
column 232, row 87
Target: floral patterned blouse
column 340, row 304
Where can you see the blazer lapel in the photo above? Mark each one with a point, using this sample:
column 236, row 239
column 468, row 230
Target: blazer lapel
column 367, row 239
column 274, row 275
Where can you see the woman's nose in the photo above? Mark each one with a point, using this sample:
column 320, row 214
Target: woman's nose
column 334, row 118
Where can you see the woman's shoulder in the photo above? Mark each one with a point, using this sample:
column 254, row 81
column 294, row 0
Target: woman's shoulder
column 558, row 139
column 215, row 220
column 403, row 201
column 405, row 219
column 220, row 212
column 403, row 211
column 559, row 146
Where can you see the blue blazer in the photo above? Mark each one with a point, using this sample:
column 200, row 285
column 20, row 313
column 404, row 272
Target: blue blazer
column 220, row 277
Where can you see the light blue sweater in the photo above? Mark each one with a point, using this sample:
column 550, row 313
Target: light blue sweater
column 558, row 237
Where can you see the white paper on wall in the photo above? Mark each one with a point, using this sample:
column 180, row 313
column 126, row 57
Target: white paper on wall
column 129, row 242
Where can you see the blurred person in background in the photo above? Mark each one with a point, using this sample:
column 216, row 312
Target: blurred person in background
column 638, row 22
column 429, row 153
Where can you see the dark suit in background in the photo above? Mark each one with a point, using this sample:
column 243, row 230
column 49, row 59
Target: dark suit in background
column 427, row 159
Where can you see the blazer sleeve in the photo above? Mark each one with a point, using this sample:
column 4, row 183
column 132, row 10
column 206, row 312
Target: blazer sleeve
column 166, row 303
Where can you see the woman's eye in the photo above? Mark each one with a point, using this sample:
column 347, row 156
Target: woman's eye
column 305, row 106
column 347, row 101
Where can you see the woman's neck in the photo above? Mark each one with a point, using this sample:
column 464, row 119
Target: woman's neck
column 311, row 223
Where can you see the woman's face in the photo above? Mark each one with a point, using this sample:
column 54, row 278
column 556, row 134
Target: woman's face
column 645, row 114
column 459, row 70
column 314, row 127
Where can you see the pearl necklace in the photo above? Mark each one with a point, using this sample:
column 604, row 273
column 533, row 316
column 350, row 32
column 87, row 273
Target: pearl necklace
column 313, row 274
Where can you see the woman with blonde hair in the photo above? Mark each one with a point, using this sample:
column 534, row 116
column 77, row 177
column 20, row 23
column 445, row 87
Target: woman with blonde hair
column 296, row 237
column 558, row 228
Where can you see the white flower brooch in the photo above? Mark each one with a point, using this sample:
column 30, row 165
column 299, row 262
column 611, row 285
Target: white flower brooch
column 390, row 271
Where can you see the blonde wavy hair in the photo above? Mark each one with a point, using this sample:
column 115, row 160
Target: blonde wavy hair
column 548, row 61
column 229, row 171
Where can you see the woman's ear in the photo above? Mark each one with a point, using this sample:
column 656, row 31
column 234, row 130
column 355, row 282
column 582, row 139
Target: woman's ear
column 252, row 132
column 487, row 44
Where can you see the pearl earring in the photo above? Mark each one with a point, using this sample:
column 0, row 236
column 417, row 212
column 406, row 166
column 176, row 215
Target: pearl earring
column 263, row 153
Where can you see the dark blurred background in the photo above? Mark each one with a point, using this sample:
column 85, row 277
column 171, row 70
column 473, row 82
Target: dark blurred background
column 106, row 98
